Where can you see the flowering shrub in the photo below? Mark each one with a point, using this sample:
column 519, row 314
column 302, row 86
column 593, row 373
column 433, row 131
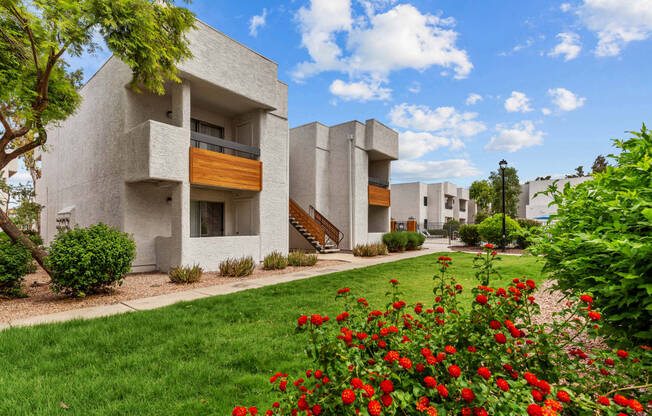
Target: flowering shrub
column 446, row 360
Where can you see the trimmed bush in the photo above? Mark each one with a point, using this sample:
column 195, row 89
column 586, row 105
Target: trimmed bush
column 396, row 241
column 186, row 274
column 235, row 267
column 469, row 235
column 300, row 258
column 88, row 260
column 275, row 261
column 452, row 226
column 530, row 228
column 491, row 230
column 15, row 263
column 440, row 233
column 527, row 224
column 370, row 250
column 415, row 240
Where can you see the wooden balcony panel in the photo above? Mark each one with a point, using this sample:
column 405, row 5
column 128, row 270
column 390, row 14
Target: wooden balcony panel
column 225, row 171
column 379, row 196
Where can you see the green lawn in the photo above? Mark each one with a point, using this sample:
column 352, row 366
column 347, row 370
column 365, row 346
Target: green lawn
column 196, row 358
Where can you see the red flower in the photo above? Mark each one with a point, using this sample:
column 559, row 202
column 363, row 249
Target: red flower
column 586, row 299
column 303, row 319
column 502, row 384
column 594, row 316
column 394, row 282
column 356, row 383
column 442, row 390
column 472, row 349
column 405, row 363
column 392, row 356
column 484, row 373
column 430, row 381
column 316, row 320
column 622, row 354
column 500, row 338
column 239, row 411
column 489, row 245
column 621, row 400
column 374, row 408
column 479, row 411
column 368, row 390
column 386, row 399
column 536, row 395
column 386, row 386
column 494, row 324
column 562, row 396
column 253, row 411
column 635, row 405
column 316, row 409
column 481, row 299
column 454, row 371
column 450, row 349
column 348, row 396
column 467, row 395
column 534, row 410
column 603, row 401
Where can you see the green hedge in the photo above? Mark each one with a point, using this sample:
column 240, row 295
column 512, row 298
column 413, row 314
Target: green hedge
column 88, row 260
column 469, row 235
column 491, row 230
column 403, row 240
column 15, row 261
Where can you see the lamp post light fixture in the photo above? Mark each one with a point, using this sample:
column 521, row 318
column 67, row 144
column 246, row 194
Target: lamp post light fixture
column 503, row 165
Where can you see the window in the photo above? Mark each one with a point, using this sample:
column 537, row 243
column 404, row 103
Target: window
column 206, row 219
column 425, row 201
column 425, row 224
column 208, row 129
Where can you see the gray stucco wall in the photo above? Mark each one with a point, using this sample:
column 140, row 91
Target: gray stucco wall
column 531, row 206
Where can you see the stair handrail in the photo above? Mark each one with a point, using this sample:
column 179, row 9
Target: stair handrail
column 331, row 230
column 308, row 222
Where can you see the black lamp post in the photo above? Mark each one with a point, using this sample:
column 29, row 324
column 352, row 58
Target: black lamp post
column 503, row 165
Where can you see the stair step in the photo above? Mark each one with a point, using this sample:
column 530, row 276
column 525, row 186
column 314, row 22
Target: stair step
column 330, row 250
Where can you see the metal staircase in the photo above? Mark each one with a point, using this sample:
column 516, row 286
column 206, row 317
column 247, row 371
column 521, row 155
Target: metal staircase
column 311, row 230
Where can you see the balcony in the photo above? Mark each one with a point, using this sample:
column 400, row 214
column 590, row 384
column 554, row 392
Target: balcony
column 379, row 196
column 378, row 182
column 224, row 164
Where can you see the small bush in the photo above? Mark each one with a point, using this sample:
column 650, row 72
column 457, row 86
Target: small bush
column 396, row 241
column 491, row 230
column 15, row 262
column 481, row 216
column 87, row 260
column 529, row 229
column 300, row 258
column 527, row 224
column 235, row 267
column 275, row 261
column 415, row 240
column 370, row 250
column 438, row 233
column 186, row 274
column 452, row 225
column 469, row 235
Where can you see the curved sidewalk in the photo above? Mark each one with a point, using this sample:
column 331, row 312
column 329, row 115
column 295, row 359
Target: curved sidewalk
column 160, row 301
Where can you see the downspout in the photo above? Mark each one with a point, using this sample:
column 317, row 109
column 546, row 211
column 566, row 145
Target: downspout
column 351, row 191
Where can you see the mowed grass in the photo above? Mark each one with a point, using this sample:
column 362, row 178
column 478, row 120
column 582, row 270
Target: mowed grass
column 198, row 358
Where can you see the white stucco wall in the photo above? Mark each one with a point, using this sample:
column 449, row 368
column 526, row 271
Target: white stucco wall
column 407, row 201
column 531, row 206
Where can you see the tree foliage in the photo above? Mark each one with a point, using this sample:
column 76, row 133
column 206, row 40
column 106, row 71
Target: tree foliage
column 601, row 238
column 512, row 191
column 480, row 192
column 599, row 165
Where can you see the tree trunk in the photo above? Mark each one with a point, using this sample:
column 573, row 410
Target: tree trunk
column 17, row 236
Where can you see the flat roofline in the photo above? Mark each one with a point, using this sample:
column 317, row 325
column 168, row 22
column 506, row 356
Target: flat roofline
column 309, row 124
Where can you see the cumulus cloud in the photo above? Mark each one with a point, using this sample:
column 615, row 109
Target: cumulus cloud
column 375, row 44
column 411, row 170
column 569, row 46
column 565, row 100
column 518, row 101
column 473, row 98
column 444, row 120
column 616, row 23
column 360, row 90
column 564, row 7
column 546, row 111
column 256, row 22
column 415, row 88
column 413, row 145
column 514, row 137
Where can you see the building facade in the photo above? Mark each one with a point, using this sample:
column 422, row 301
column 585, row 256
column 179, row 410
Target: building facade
column 432, row 205
column 340, row 176
column 6, row 173
column 197, row 175
column 531, row 205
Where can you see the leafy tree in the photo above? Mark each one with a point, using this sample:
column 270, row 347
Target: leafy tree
column 38, row 89
column 599, row 165
column 601, row 239
column 480, row 192
column 512, row 191
column 579, row 173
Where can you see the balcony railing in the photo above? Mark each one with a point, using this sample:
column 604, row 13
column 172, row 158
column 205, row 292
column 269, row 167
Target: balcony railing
column 379, row 196
column 215, row 144
column 378, row 182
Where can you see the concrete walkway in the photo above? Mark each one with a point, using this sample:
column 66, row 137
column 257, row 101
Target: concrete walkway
column 155, row 302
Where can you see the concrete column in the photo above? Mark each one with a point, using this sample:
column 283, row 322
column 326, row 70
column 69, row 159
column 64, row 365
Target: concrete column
column 181, row 106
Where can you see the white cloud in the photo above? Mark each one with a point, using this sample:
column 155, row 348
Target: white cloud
column 411, row 170
column 518, row 47
column 415, row 88
column 374, row 45
column 360, row 90
column 565, row 7
column 473, row 98
column 413, row 145
column 546, row 111
column 515, row 137
column 445, row 121
column 569, row 46
column 517, row 102
column 616, row 23
column 565, row 100
column 257, row 22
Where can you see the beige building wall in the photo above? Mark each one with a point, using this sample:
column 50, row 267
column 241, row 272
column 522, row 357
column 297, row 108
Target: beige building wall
column 532, row 205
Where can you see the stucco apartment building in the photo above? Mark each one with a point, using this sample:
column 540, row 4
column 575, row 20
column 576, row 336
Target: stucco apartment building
column 432, row 204
column 532, row 206
column 339, row 177
column 6, row 173
column 196, row 175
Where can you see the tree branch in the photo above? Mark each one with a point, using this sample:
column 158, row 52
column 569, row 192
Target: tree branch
column 30, row 35
column 15, row 45
column 26, row 148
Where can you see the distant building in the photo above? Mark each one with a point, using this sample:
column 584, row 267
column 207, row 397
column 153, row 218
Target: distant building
column 6, row 173
column 531, row 206
column 432, row 205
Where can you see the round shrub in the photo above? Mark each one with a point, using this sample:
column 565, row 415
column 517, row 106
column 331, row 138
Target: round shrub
column 396, row 241
column 185, row 274
column 491, row 229
column 481, row 216
column 15, row 262
column 469, row 235
column 275, row 261
column 414, row 240
column 87, row 260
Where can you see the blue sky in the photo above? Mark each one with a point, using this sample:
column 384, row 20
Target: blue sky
column 543, row 84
